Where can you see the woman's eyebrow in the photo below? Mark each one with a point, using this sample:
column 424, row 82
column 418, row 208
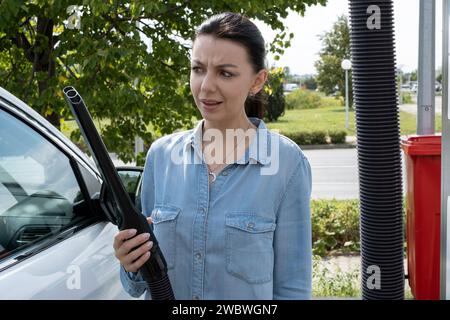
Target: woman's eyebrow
column 225, row 65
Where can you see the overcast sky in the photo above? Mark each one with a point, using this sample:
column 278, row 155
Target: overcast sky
column 302, row 54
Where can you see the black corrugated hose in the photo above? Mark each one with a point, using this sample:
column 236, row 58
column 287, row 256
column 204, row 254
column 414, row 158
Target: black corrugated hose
column 378, row 142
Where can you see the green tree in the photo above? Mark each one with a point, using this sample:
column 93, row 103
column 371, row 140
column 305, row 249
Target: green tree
column 289, row 77
column 335, row 48
column 309, row 81
column 275, row 95
column 439, row 75
column 99, row 47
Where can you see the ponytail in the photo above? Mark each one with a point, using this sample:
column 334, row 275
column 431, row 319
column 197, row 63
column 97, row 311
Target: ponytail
column 255, row 105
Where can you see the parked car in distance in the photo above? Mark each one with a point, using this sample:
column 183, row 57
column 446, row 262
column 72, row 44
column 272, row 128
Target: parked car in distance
column 55, row 235
column 405, row 87
column 289, row 87
column 414, row 85
column 437, row 86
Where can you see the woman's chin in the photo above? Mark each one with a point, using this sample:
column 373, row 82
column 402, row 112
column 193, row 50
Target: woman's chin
column 210, row 115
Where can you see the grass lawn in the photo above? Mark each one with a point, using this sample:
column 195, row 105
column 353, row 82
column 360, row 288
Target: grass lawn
column 408, row 123
column 333, row 118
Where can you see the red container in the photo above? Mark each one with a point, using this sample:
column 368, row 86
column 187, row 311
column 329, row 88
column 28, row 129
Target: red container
column 423, row 214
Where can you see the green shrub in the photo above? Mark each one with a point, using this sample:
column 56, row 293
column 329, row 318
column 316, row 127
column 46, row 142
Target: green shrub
column 335, row 226
column 318, row 137
column 337, row 136
column 300, row 138
column 328, row 101
column 335, row 229
column 275, row 96
column 307, row 138
column 303, row 99
column 407, row 97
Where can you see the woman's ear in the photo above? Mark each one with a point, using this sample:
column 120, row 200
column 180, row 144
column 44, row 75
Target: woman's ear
column 260, row 80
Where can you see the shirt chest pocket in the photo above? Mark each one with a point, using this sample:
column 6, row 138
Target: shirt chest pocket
column 164, row 226
column 249, row 246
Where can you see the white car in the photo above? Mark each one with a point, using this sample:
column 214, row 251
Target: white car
column 289, row 87
column 55, row 235
column 405, row 87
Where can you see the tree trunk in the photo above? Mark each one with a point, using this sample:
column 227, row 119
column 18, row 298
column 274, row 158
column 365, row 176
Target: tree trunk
column 44, row 62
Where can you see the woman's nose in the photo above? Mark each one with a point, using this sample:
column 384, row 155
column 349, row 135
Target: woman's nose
column 208, row 83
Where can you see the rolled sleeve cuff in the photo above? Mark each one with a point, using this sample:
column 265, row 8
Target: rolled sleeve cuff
column 132, row 282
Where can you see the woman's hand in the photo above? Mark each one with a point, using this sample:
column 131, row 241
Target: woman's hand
column 131, row 251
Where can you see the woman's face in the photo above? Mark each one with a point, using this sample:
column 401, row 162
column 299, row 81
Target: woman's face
column 222, row 78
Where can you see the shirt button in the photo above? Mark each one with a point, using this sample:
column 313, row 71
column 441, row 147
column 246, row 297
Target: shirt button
column 250, row 225
column 202, row 210
column 195, row 297
column 198, row 255
column 225, row 173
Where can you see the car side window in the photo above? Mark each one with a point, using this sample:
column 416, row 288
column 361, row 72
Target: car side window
column 39, row 193
column 131, row 179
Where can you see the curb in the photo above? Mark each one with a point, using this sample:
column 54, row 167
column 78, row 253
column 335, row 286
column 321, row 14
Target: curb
column 328, row 146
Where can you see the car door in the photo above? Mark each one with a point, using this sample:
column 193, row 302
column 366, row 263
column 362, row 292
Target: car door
column 55, row 242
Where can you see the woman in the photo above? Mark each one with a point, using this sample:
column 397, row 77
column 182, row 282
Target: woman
column 231, row 215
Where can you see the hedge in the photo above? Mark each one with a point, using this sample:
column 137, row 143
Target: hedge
column 316, row 137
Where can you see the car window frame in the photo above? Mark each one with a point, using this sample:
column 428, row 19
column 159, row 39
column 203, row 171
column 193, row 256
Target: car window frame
column 75, row 161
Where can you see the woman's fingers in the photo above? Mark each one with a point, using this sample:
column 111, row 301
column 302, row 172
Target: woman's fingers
column 135, row 254
column 134, row 267
column 130, row 244
column 122, row 236
column 132, row 251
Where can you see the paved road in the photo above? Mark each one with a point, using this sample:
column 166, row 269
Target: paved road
column 412, row 108
column 335, row 173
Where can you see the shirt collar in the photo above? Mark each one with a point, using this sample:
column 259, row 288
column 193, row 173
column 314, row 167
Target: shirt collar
column 255, row 153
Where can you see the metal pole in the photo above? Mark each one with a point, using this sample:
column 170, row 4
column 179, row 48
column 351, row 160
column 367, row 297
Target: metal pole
column 426, row 72
column 138, row 145
column 445, row 157
column 346, row 99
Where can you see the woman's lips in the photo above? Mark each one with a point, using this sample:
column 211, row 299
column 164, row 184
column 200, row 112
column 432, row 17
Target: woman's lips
column 210, row 105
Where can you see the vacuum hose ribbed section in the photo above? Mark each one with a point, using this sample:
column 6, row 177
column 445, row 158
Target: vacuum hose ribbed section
column 378, row 141
column 161, row 289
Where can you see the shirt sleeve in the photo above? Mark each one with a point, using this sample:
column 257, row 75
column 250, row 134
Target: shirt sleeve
column 292, row 239
column 132, row 282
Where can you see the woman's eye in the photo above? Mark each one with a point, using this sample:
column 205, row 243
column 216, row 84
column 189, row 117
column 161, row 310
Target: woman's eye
column 196, row 69
column 227, row 74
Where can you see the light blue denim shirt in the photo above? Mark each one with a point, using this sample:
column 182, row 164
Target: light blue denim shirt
column 245, row 236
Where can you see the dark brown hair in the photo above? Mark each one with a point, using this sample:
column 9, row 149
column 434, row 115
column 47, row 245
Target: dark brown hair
column 240, row 29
